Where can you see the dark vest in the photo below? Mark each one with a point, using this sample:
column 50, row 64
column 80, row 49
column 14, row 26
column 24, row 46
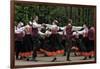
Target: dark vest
column 91, row 35
column 69, row 32
column 19, row 36
column 34, row 32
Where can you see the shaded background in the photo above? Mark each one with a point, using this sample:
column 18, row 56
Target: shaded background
column 47, row 13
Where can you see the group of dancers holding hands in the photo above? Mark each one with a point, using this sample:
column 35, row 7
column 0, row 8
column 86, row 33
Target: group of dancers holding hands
column 53, row 40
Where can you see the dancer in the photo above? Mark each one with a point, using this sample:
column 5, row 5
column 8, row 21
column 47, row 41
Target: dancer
column 19, row 39
column 68, row 40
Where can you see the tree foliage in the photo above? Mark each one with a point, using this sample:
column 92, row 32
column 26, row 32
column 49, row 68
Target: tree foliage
column 47, row 14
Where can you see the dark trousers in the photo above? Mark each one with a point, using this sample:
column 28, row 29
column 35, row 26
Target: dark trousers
column 68, row 48
column 34, row 55
column 64, row 46
column 36, row 46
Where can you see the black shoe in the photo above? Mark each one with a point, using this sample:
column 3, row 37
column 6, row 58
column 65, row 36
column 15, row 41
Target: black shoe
column 17, row 59
column 75, row 54
column 27, row 59
column 45, row 55
column 54, row 59
column 64, row 55
column 90, row 57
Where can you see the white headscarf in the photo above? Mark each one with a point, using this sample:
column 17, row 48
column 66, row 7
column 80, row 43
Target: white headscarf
column 20, row 24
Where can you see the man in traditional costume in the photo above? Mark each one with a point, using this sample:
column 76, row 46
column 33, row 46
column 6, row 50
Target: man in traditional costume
column 68, row 40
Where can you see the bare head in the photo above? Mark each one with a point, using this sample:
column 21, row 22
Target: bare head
column 55, row 22
column 69, row 20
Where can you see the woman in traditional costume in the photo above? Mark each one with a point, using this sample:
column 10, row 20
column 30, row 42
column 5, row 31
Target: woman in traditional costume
column 19, row 40
column 54, row 46
column 85, row 42
column 27, row 41
column 91, row 36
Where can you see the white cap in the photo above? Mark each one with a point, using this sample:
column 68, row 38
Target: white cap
column 20, row 24
column 30, row 22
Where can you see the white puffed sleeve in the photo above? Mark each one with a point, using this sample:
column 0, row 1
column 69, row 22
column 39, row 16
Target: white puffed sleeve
column 64, row 31
column 48, row 32
column 36, row 25
column 60, row 33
